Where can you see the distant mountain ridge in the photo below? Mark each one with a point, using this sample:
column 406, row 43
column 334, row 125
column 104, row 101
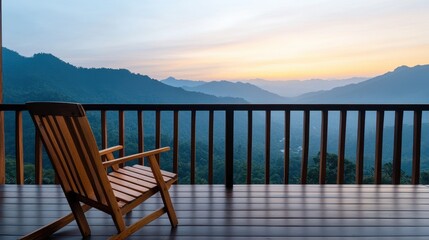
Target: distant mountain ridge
column 247, row 91
column 294, row 88
column 403, row 85
column 181, row 82
column 286, row 89
column 44, row 77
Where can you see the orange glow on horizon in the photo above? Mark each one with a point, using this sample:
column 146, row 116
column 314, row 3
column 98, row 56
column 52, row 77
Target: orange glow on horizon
column 227, row 65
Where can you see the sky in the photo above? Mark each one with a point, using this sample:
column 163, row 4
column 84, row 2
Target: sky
column 224, row 39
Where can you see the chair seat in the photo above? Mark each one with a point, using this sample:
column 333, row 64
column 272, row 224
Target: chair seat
column 132, row 182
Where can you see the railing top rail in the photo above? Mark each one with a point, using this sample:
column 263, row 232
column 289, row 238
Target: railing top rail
column 240, row 107
column 12, row 107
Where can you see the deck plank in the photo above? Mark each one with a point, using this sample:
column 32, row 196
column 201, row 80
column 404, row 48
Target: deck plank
column 246, row 212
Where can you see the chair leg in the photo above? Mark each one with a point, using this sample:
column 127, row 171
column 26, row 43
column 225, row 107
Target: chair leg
column 139, row 224
column 79, row 216
column 163, row 189
column 165, row 195
column 118, row 220
column 46, row 231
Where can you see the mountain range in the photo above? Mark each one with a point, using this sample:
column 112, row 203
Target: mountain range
column 246, row 91
column 288, row 89
column 46, row 77
column 294, row 88
column 402, row 85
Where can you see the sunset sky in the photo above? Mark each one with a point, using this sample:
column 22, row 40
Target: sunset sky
column 224, row 39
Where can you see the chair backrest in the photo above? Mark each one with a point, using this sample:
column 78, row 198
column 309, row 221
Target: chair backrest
column 71, row 146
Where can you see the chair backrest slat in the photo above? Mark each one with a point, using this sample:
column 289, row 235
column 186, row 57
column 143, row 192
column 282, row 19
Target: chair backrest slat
column 81, row 181
column 61, row 149
column 53, row 148
column 71, row 146
column 88, row 158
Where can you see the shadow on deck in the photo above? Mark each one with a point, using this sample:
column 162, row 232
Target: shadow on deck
column 246, row 212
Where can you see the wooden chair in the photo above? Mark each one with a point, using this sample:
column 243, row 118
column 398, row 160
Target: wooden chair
column 82, row 172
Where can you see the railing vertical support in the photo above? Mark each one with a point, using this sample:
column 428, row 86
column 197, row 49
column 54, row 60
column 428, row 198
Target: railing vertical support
column 267, row 146
column 360, row 146
column 305, row 146
column 211, row 145
column 104, row 143
column 397, row 147
column 415, row 178
column 38, row 159
column 249, row 146
column 2, row 146
column 286, row 148
column 341, row 146
column 193, row 144
column 323, row 147
column 229, row 149
column 379, row 147
column 19, row 148
column 158, row 131
column 121, row 130
column 176, row 142
column 140, row 132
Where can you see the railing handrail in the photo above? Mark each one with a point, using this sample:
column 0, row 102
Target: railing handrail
column 237, row 107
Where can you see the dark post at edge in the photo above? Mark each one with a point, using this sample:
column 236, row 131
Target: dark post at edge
column 229, row 148
column 2, row 147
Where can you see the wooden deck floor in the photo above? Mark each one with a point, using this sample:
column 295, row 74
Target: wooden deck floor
column 247, row 212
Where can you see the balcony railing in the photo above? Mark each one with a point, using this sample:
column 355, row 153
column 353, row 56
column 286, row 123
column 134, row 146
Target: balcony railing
column 244, row 116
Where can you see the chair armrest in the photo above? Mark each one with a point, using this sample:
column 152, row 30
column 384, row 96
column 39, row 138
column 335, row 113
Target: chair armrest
column 110, row 150
column 134, row 156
